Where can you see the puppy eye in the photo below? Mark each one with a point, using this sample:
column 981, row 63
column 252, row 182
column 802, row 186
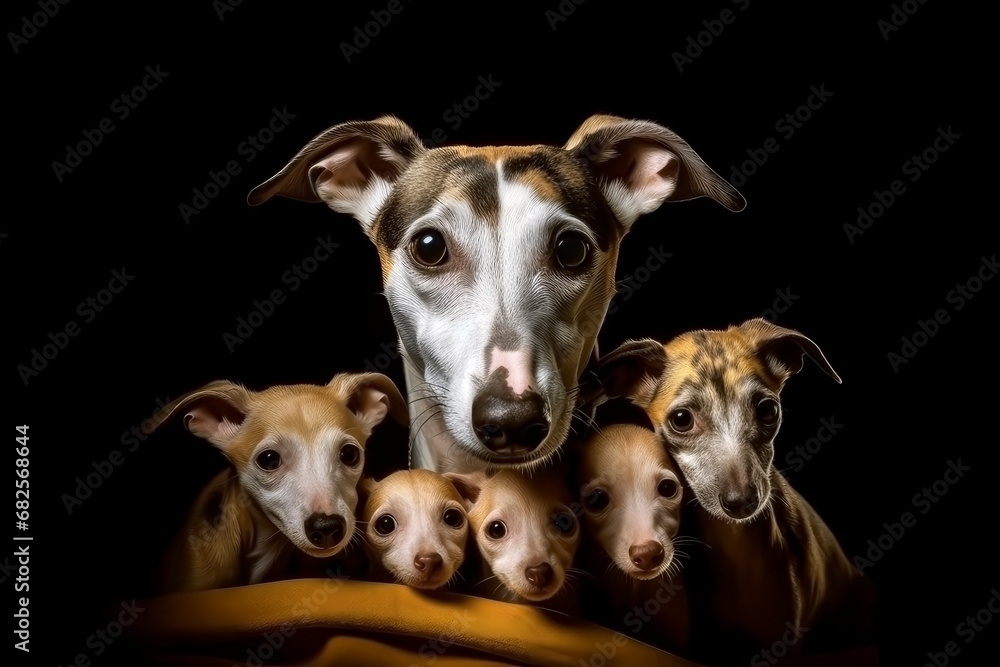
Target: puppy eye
column 563, row 522
column 597, row 500
column 350, row 454
column 268, row 460
column 768, row 412
column 496, row 529
column 667, row 488
column 572, row 250
column 681, row 421
column 385, row 524
column 453, row 518
column 428, row 248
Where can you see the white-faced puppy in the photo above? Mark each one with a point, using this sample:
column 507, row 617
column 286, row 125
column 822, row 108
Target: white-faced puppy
column 298, row 454
column 774, row 569
column 415, row 527
column 526, row 533
column 631, row 497
column 498, row 264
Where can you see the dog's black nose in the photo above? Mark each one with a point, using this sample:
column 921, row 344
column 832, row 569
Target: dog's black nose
column 325, row 530
column 739, row 506
column 508, row 425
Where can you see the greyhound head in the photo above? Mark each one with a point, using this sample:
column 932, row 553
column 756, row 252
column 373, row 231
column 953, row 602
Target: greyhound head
column 498, row 265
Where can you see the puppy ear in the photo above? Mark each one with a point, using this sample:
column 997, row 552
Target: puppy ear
column 351, row 167
column 366, row 486
column 215, row 412
column 371, row 396
column 469, row 485
column 632, row 370
column 782, row 350
column 640, row 164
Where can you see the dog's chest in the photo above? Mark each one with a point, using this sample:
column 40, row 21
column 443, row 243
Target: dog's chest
column 751, row 589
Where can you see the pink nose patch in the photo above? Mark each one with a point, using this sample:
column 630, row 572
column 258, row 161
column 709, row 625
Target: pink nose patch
column 518, row 365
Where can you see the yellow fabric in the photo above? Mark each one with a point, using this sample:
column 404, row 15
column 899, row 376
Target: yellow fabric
column 453, row 629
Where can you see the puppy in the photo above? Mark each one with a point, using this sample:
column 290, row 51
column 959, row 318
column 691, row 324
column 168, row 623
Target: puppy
column 415, row 527
column 526, row 533
column 773, row 569
column 298, row 454
column 631, row 498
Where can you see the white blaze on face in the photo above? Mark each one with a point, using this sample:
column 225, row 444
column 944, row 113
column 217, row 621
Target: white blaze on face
column 502, row 276
column 518, row 364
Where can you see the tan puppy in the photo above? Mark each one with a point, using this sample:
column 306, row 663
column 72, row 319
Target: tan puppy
column 631, row 497
column 298, row 453
column 526, row 533
column 415, row 527
column 774, row 569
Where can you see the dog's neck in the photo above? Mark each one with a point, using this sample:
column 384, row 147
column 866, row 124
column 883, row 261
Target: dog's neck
column 756, row 567
column 267, row 549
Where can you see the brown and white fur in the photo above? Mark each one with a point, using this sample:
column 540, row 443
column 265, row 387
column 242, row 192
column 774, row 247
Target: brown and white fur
column 415, row 527
column 774, row 569
column 298, row 454
column 526, row 533
column 631, row 495
column 498, row 264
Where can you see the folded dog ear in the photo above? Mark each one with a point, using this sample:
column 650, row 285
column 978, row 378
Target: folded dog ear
column 215, row 412
column 371, row 396
column 640, row 164
column 366, row 486
column 469, row 485
column 350, row 166
column 632, row 370
column 782, row 350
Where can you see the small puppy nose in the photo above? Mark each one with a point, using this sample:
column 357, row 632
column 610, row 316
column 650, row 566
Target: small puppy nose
column 739, row 506
column 509, row 425
column 539, row 576
column 325, row 530
column 646, row 556
column 429, row 562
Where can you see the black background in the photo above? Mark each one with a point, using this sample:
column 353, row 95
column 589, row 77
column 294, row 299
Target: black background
column 162, row 336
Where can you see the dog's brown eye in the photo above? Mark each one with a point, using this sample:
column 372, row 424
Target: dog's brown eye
column 667, row 488
column 350, row 454
column 768, row 412
column 572, row 251
column 681, row 420
column 496, row 529
column 597, row 500
column 453, row 518
column 385, row 524
column 268, row 460
column 563, row 522
column 428, row 248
